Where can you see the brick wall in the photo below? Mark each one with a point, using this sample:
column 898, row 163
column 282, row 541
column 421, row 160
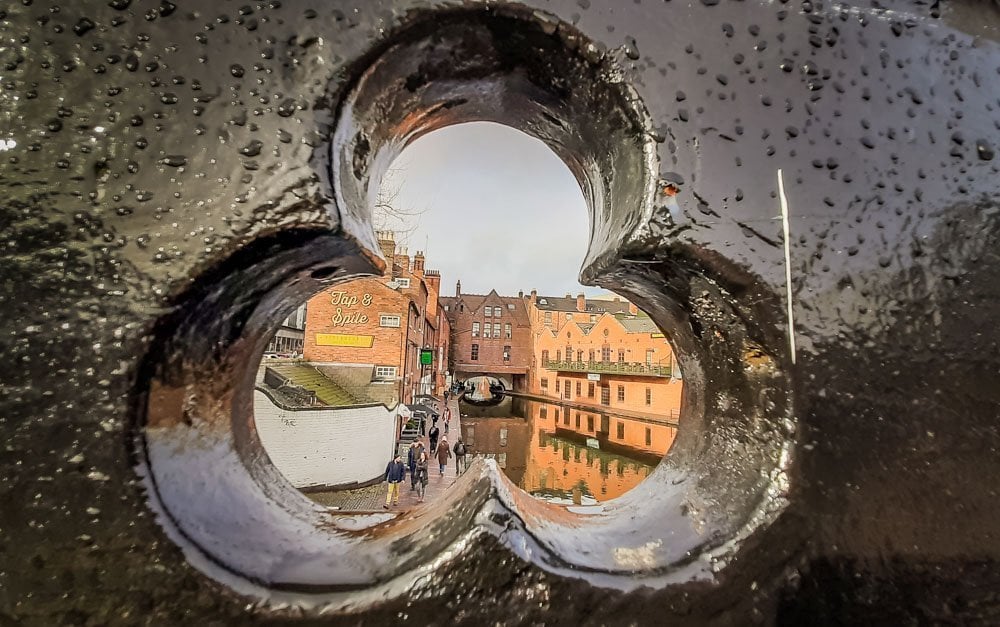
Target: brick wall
column 354, row 309
column 326, row 447
column 665, row 392
column 467, row 309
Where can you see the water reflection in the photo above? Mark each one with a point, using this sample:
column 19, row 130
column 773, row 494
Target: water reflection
column 483, row 390
column 563, row 454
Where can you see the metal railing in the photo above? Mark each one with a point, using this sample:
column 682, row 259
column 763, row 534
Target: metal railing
column 611, row 367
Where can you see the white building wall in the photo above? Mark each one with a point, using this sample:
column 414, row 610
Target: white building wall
column 313, row 447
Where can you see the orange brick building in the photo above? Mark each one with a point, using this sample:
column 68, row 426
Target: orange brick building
column 383, row 324
column 602, row 353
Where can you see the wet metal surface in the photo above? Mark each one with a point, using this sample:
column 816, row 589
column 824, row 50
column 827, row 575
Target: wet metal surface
column 804, row 196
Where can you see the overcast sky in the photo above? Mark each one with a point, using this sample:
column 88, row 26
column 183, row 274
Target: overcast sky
column 498, row 210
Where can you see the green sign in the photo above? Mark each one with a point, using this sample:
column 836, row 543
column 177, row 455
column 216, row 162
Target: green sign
column 426, row 356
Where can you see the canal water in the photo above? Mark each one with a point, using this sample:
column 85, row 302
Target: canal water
column 563, row 454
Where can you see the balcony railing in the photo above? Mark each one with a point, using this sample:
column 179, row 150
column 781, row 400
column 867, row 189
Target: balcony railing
column 610, row 367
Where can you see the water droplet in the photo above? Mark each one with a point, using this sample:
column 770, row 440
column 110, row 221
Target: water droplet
column 252, row 149
column 286, row 108
column 83, row 26
column 984, row 150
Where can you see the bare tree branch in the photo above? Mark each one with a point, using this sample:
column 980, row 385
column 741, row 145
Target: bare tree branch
column 389, row 215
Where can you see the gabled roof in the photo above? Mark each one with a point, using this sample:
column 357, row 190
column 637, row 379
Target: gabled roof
column 474, row 304
column 640, row 324
column 593, row 305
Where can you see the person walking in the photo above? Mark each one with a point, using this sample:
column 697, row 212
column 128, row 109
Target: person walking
column 432, row 436
column 443, row 454
column 459, row 456
column 395, row 472
column 411, row 462
column 422, row 477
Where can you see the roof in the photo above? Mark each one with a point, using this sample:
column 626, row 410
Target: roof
column 328, row 392
column 640, row 324
column 475, row 302
column 595, row 306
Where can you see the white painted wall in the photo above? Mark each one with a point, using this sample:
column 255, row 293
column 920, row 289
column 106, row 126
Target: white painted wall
column 326, row 446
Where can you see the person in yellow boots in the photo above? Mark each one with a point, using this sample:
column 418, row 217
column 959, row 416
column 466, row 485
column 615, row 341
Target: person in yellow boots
column 395, row 472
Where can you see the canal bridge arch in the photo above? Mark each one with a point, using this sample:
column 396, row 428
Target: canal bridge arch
column 175, row 183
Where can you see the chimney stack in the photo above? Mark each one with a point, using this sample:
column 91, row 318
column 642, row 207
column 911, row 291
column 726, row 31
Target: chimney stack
column 534, row 298
column 520, row 293
column 458, row 288
column 418, row 264
column 387, row 244
column 581, row 302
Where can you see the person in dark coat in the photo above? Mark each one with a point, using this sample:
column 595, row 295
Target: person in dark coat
column 395, row 472
column 422, row 475
column 411, row 463
column 432, row 435
column 443, row 454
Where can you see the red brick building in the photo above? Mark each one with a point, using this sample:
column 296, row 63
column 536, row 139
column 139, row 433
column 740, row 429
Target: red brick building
column 490, row 335
column 371, row 332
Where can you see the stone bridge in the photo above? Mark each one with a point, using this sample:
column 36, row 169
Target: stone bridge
column 803, row 193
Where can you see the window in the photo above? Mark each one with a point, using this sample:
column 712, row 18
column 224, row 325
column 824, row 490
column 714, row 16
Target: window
column 606, row 353
column 558, row 355
column 621, row 355
column 446, row 307
column 577, row 420
column 649, row 436
column 506, row 353
column 605, row 395
column 566, row 391
column 497, row 311
column 384, row 373
column 557, row 386
column 545, row 359
column 386, row 320
column 510, row 306
column 475, row 352
column 621, row 393
column 487, row 311
column 569, row 353
column 569, row 316
column 503, row 436
column 579, row 386
column 486, row 330
column 506, row 330
column 545, row 384
column 649, row 356
column 566, row 418
column 579, row 356
column 543, row 412
column 402, row 281
column 548, row 317
column 590, row 389
column 621, row 430
column 593, row 318
column 496, row 330
column 649, row 396
column 590, row 355
column 590, row 423
column 475, row 329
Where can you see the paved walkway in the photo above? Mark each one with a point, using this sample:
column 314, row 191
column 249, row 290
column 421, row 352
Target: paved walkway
column 372, row 498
